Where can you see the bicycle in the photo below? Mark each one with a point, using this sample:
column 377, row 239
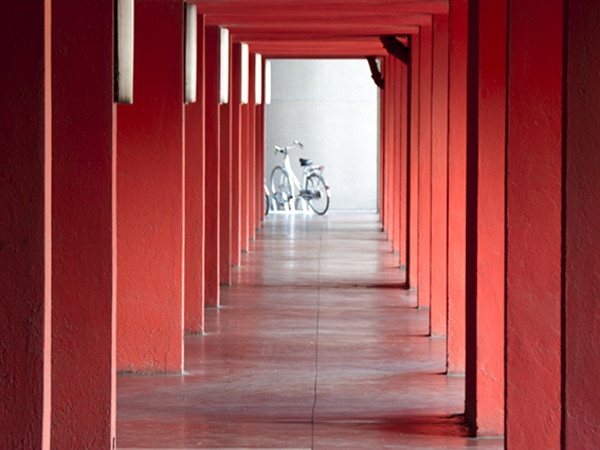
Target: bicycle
column 284, row 183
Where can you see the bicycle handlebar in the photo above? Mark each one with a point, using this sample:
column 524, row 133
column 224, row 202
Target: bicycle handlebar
column 287, row 148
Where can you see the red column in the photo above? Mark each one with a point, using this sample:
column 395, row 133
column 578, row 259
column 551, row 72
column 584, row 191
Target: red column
column 385, row 133
column 413, row 163
column 404, row 163
column 150, row 197
column 245, row 172
column 392, row 84
column 383, row 146
column 82, row 226
column 225, row 203
column 582, row 222
column 439, row 178
column 260, row 160
column 236, row 166
column 251, row 149
column 457, row 136
column 211, row 117
column 25, row 195
column 485, row 217
column 397, row 137
column 424, row 198
column 534, row 222
column 194, row 199
column 390, row 132
column 252, row 146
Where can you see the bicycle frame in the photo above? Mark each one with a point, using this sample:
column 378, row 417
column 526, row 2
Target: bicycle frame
column 298, row 190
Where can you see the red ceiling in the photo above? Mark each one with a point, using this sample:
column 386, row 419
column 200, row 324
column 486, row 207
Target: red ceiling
column 319, row 28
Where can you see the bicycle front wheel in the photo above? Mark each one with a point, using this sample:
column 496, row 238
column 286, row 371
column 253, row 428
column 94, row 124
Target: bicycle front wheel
column 319, row 201
column 281, row 189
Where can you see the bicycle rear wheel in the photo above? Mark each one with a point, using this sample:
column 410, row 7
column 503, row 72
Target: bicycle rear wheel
column 281, row 189
column 315, row 184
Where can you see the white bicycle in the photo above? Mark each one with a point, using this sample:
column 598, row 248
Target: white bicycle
column 285, row 186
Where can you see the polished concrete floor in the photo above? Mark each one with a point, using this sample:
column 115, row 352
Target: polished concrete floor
column 316, row 346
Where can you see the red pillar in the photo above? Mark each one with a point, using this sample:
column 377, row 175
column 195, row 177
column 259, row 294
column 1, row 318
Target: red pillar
column 252, row 145
column 485, row 217
column 82, row 226
column 251, row 149
column 385, row 160
column 245, row 177
column 236, row 166
column 25, row 262
column 404, row 165
column 457, row 137
column 396, row 138
column 424, row 197
column 439, row 178
column 413, row 163
column 383, row 139
column 211, row 117
column 225, row 194
column 260, row 158
column 582, row 221
column 534, row 222
column 150, row 197
column 194, row 199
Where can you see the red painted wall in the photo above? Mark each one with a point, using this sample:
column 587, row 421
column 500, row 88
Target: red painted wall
column 211, row 117
column 82, row 240
column 485, row 219
column 533, row 238
column 457, row 136
column 25, row 263
column 582, row 221
column 194, row 199
column 150, row 197
column 424, row 226
column 439, row 178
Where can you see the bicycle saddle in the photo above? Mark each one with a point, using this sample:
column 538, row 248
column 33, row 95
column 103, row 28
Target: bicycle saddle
column 305, row 162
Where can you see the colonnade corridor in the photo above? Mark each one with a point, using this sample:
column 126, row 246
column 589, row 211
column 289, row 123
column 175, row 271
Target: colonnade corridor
column 316, row 345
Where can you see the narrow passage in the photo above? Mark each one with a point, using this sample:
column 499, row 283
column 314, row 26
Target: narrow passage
column 316, row 346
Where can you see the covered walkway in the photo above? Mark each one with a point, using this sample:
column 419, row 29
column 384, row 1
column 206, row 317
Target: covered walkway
column 310, row 349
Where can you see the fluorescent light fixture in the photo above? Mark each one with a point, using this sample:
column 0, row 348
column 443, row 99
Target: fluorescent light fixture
column 258, row 78
column 224, row 66
column 191, row 52
column 268, row 82
column 245, row 74
column 124, row 51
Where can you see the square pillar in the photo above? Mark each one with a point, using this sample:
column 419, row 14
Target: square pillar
column 457, row 193
column 225, row 194
column 150, row 210
column 195, row 174
column 581, row 312
column 486, row 184
column 413, row 164
column 83, row 226
column 212, row 189
column 534, row 224
column 236, row 161
column 25, row 255
column 439, row 178
column 425, row 43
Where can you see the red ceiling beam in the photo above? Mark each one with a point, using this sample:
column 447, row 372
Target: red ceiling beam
column 332, row 8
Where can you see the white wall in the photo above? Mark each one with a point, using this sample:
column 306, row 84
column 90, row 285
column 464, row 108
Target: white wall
column 331, row 106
